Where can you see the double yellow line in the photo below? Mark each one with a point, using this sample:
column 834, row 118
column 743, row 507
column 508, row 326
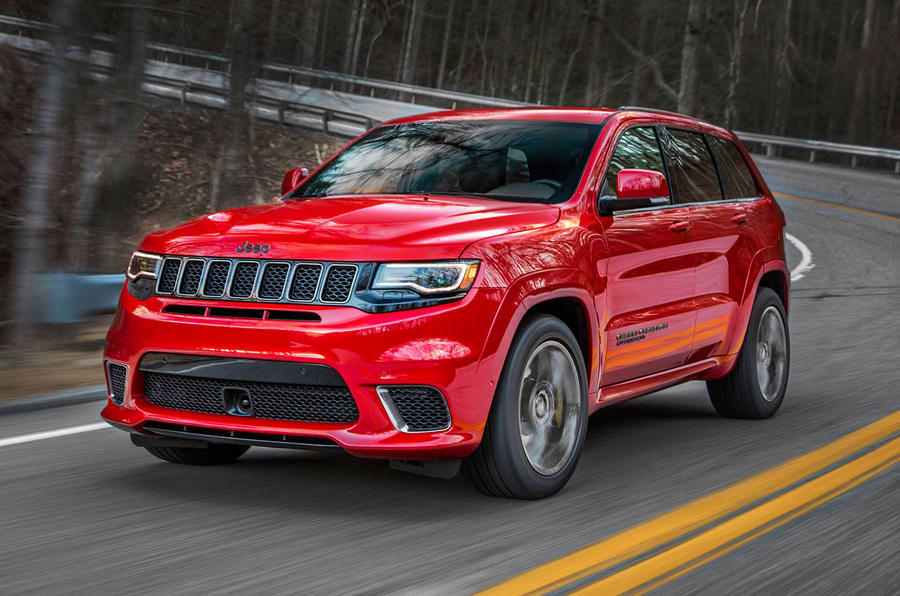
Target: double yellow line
column 659, row 550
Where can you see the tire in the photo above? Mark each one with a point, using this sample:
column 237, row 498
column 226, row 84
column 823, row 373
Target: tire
column 212, row 455
column 546, row 365
column 755, row 388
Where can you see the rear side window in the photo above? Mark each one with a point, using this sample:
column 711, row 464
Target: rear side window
column 637, row 148
column 737, row 180
column 692, row 168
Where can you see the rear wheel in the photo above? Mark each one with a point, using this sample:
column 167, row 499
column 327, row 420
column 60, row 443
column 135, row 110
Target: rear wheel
column 538, row 420
column 211, row 455
column 756, row 386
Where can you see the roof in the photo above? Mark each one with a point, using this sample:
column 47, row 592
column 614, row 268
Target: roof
column 555, row 114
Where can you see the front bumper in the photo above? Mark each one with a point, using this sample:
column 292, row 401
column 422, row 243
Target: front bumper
column 439, row 346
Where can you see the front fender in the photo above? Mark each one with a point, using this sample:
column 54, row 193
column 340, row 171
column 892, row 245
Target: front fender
column 521, row 296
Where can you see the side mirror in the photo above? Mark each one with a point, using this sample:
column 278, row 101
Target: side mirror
column 636, row 189
column 292, row 179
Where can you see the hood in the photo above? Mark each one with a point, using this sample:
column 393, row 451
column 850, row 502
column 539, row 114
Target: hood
column 370, row 228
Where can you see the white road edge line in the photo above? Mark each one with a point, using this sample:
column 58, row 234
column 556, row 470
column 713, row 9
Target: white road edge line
column 805, row 259
column 52, row 434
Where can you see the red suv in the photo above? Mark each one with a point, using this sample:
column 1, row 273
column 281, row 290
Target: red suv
column 461, row 287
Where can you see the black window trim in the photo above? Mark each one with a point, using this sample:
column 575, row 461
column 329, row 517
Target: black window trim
column 759, row 193
column 662, row 153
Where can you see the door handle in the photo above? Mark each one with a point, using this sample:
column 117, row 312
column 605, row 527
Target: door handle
column 680, row 226
column 739, row 218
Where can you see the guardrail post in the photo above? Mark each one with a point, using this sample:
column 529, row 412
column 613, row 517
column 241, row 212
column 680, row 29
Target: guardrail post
column 183, row 94
column 770, row 149
column 854, row 160
column 326, row 116
column 812, row 155
column 897, row 167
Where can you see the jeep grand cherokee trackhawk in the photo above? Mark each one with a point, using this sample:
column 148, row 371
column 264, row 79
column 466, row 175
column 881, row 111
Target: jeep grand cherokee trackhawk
column 465, row 285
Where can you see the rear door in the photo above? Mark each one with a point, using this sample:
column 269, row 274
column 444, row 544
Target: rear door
column 650, row 273
column 707, row 177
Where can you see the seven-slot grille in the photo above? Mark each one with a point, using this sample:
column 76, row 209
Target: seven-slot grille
column 257, row 280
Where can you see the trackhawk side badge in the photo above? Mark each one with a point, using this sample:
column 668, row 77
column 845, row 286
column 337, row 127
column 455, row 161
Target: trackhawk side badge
column 638, row 334
column 257, row 248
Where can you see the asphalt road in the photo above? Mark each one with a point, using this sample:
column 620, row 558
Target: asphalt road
column 89, row 513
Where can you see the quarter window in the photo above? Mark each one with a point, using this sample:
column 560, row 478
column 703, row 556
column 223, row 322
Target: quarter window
column 637, row 148
column 692, row 168
column 737, row 179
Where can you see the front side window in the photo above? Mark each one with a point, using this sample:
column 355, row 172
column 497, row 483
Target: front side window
column 692, row 167
column 515, row 161
column 637, row 148
column 737, row 180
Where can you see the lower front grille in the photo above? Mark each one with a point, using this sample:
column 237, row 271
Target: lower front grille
column 271, row 401
column 415, row 408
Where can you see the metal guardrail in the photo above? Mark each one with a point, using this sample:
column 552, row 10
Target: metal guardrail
column 769, row 144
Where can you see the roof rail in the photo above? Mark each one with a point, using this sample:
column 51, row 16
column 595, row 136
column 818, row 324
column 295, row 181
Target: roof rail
column 653, row 110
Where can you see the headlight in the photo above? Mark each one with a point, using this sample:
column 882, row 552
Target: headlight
column 427, row 278
column 143, row 265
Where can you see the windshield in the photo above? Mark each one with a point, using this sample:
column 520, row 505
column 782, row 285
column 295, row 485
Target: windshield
column 517, row 161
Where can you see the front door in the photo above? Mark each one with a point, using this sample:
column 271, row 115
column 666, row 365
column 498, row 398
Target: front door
column 649, row 318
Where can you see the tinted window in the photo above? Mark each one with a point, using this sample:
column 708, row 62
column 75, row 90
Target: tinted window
column 519, row 161
column 737, row 179
column 692, row 168
column 637, row 148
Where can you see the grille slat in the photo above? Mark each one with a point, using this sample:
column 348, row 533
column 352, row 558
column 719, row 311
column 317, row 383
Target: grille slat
column 305, row 282
column 190, row 277
column 169, row 276
column 271, row 401
column 118, row 376
column 216, row 278
column 244, row 279
column 338, row 283
column 272, row 285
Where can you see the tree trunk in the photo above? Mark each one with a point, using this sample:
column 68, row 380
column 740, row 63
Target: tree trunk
column 734, row 65
column 29, row 241
column 687, row 87
column 411, row 44
column 351, row 36
column 861, row 89
column 448, row 27
column 782, row 89
column 271, row 37
column 223, row 174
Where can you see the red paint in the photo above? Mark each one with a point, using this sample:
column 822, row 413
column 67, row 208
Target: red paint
column 641, row 184
column 688, row 273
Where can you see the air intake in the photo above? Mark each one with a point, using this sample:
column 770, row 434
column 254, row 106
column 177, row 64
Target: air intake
column 415, row 408
column 117, row 375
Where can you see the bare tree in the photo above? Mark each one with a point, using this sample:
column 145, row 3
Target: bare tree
column 687, row 86
column 30, row 241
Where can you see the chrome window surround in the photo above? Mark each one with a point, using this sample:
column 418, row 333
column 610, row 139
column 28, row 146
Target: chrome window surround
column 262, row 264
column 384, row 394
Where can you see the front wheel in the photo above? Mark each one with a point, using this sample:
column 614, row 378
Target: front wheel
column 538, row 420
column 755, row 387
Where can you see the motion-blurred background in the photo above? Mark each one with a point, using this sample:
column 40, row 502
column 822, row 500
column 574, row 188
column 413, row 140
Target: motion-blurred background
column 121, row 117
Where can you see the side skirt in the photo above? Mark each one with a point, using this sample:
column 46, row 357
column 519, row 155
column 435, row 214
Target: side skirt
column 619, row 392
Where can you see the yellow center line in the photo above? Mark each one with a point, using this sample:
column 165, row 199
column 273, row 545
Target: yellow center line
column 691, row 516
column 730, row 534
column 836, row 206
